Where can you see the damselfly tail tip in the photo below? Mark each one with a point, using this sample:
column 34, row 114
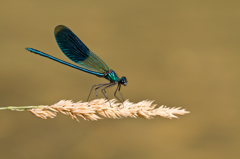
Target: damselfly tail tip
column 29, row 49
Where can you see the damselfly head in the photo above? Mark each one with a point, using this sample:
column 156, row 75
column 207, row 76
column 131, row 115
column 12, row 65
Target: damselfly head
column 123, row 81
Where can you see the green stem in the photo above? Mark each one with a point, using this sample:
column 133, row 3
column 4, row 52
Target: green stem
column 19, row 108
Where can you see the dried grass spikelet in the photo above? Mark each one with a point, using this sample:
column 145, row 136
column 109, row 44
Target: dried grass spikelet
column 43, row 112
column 92, row 110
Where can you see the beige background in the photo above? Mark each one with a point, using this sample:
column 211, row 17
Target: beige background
column 178, row 53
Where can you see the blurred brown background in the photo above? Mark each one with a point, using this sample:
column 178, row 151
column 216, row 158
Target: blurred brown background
column 178, row 53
